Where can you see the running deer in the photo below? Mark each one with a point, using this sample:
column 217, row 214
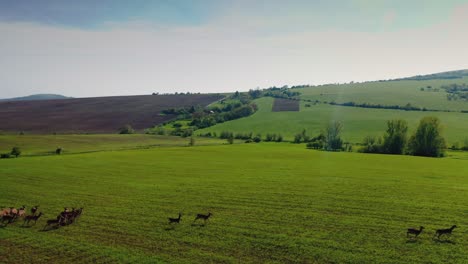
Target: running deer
column 414, row 232
column 58, row 221
column 447, row 231
column 202, row 216
column 8, row 219
column 175, row 220
column 29, row 218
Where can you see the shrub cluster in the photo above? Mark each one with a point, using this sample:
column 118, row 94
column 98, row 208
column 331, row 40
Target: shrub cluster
column 15, row 152
column 425, row 141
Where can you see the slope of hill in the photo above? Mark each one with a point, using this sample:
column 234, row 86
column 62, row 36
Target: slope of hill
column 94, row 115
column 358, row 122
column 438, row 76
column 423, row 94
column 37, row 97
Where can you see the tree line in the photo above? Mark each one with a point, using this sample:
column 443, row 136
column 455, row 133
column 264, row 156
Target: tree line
column 427, row 139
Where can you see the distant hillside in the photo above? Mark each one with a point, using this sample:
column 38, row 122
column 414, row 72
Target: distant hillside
column 94, row 115
column 35, row 97
column 441, row 75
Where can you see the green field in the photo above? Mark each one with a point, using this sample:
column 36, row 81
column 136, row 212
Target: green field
column 47, row 144
column 388, row 93
column 271, row 203
column 358, row 122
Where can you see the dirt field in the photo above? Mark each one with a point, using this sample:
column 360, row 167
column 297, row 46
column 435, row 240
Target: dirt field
column 280, row 105
column 93, row 115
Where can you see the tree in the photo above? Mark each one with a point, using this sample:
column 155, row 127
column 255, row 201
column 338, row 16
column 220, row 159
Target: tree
column 427, row 139
column 127, row 129
column 15, row 151
column 395, row 137
column 230, row 138
column 333, row 136
column 192, row 141
column 297, row 138
column 371, row 145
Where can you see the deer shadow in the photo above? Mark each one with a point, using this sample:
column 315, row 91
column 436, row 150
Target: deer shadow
column 412, row 241
column 48, row 229
column 169, row 228
column 445, row 241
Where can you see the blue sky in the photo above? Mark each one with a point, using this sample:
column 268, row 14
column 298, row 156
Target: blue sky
column 359, row 15
column 93, row 48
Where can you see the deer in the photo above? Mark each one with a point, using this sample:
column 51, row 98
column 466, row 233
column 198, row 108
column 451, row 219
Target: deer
column 202, row 216
column 78, row 212
column 22, row 211
column 175, row 220
column 58, row 221
column 34, row 218
column 34, row 209
column 415, row 232
column 9, row 211
column 447, row 231
column 8, row 218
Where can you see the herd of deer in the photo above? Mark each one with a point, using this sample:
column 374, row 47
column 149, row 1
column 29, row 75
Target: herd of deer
column 199, row 216
column 438, row 233
column 66, row 217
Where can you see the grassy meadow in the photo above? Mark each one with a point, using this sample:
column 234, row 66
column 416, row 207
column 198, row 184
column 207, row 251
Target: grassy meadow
column 47, row 144
column 271, row 202
column 389, row 93
column 358, row 122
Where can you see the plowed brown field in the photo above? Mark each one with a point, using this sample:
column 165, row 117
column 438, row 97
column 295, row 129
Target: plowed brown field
column 94, row 115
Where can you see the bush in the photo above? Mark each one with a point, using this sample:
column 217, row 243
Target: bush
column 158, row 131
column 427, row 139
column 315, row 145
column 371, row 145
column 279, row 138
column 15, row 151
column 58, row 151
column 127, row 129
column 257, row 138
column 5, row 156
column 186, row 132
column 230, row 139
column 225, row 135
column 297, row 138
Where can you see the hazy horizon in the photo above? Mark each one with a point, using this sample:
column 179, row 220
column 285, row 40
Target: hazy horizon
column 109, row 48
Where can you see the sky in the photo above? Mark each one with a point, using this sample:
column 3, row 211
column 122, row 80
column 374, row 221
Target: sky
column 111, row 47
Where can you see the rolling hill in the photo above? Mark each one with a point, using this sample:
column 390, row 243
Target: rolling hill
column 94, row 115
column 37, row 97
column 319, row 105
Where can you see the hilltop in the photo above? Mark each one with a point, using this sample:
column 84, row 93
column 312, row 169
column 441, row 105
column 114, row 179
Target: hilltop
column 34, row 97
column 458, row 74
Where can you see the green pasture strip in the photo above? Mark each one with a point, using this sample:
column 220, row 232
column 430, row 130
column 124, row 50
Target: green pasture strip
column 32, row 145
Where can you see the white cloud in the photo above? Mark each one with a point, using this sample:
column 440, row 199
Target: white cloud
column 222, row 56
